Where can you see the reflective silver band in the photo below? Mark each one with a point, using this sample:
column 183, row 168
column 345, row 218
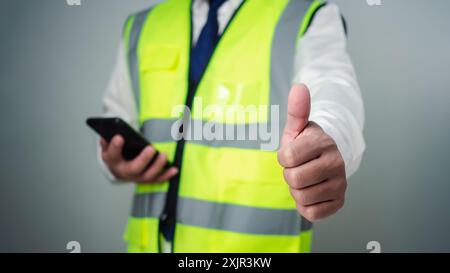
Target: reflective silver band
column 284, row 47
column 244, row 136
column 148, row 205
column 223, row 216
column 133, row 61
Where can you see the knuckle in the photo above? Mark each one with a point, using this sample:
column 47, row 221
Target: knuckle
column 312, row 214
column 292, row 177
column 329, row 161
column 342, row 190
column 105, row 156
column 344, row 185
column 163, row 158
column 327, row 142
column 303, row 198
column 280, row 156
column 159, row 167
column 148, row 153
column 336, row 186
column 332, row 161
column 300, row 210
column 337, row 159
column 151, row 153
column 287, row 175
column 287, row 157
column 316, row 129
column 310, row 129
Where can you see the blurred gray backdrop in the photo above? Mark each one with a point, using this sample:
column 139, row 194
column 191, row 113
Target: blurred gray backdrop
column 55, row 61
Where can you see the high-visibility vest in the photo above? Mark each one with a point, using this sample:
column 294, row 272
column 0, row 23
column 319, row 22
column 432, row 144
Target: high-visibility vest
column 231, row 195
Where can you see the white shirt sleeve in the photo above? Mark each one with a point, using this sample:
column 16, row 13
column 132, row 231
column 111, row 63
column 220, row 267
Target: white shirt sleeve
column 119, row 100
column 323, row 64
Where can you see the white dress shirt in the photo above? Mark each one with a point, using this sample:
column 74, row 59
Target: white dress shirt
column 321, row 62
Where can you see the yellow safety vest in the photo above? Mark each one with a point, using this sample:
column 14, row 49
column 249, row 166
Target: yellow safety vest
column 231, row 195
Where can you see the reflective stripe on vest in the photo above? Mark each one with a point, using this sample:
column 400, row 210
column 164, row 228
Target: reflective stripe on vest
column 227, row 216
column 232, row 195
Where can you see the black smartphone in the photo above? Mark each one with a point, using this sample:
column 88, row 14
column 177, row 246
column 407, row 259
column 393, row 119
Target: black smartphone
column 134, row 142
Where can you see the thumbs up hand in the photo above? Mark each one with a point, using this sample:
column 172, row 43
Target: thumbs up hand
column 313, row 166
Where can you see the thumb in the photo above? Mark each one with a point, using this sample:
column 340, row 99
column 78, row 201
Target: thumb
column 299, row 105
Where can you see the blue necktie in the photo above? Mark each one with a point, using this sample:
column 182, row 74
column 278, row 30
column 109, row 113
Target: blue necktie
column 206, row 42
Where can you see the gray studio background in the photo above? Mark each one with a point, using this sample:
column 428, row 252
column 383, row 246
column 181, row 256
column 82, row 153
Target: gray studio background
column 55, row 61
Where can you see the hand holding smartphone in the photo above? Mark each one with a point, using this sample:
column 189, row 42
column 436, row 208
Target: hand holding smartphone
column 135, row 165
